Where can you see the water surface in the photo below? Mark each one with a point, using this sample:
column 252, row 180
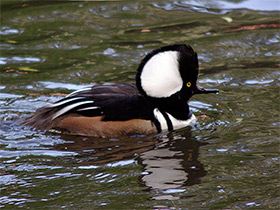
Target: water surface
column 228, row 160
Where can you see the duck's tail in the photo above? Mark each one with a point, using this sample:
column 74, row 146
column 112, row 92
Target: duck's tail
column 42, row 119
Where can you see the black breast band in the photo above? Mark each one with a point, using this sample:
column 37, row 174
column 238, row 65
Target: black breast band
column 168, row 121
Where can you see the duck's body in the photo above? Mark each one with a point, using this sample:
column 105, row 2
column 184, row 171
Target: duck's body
column 103, row 110
column 165, row 80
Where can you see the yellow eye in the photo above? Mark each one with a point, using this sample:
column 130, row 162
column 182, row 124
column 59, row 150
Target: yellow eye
column 189, row 84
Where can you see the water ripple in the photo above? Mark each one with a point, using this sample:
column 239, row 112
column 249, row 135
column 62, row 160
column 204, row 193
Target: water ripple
column 18, row 59
column 52, row 153
column 9, row 31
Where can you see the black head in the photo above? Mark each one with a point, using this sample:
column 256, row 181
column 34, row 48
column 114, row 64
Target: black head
column 170, row 73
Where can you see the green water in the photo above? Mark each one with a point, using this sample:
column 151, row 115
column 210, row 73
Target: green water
column 228, row 160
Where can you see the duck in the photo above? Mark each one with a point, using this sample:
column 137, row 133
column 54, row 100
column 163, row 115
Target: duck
column 166, row 79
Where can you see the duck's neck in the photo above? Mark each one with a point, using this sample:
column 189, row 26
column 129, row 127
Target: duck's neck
column 171, row 115
column 179, row 110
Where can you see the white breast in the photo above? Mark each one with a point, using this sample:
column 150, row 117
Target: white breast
column 175, row 122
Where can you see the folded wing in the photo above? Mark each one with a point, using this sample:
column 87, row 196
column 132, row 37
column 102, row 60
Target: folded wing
column 116, row 102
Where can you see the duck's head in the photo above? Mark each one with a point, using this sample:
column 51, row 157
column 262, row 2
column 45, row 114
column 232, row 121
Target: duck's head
column 170, row 72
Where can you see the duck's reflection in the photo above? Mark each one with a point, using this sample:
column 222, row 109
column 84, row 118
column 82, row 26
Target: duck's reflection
column 169, row 161
column 173, row 163
column 93, row 150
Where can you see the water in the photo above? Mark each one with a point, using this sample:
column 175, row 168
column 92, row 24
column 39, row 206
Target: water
column 228, row 160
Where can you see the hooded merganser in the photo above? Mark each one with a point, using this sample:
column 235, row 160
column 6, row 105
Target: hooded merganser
column 165, row 81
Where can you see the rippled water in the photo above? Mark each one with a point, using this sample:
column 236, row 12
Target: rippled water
column 228, row 160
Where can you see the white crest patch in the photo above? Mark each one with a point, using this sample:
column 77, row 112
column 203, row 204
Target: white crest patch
column 160, row 76
column 175, row 122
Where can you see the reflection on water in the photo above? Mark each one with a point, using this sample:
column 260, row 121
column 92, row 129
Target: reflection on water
column 94, row 151
column 169, row 161
column 172, row 164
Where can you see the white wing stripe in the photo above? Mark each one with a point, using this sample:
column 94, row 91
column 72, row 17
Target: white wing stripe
column 68, row 108
column 77, row 91
column 64, row 102
column 88, row 108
